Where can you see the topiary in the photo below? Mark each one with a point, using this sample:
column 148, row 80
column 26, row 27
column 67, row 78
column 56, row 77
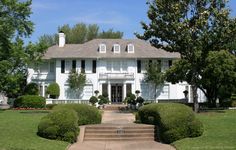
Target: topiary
column 93, row 100
column 102, row 100
column 175, row 121
column 31, row 89
column 60, row 124
column 139, row 100
column 86, row 114
column 53, row 90
column 30, row 101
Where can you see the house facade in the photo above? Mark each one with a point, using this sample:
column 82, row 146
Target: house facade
column 112, row 66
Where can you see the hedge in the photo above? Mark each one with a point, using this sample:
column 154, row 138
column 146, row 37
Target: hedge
column 31, row 89
column 174, row 121
column 86, row 114
column 60, row 124
column 30, row 101
column 53, row 90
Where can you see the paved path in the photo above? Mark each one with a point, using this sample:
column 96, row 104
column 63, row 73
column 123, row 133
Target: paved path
column 116, row 117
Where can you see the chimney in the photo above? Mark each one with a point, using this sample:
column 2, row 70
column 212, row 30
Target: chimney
column 62, row 39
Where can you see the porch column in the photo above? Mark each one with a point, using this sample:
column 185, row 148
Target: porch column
column 43, row 89
column 109, row 90
column 124, row 90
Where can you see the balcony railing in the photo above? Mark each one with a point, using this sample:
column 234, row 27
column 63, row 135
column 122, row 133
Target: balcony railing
column 116, row 76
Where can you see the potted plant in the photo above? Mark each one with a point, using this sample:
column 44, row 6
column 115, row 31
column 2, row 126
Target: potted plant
column 140, row 101
column 102, row 101
column 93, row 100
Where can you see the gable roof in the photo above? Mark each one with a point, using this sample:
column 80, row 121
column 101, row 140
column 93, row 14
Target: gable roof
column 142, row 49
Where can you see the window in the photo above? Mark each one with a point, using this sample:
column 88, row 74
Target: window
column 124, row 66
column 170, row 63
column 165, row 65
column 128, row 88
column 102, row 48
column 94, row 66
column 130, row 48
column 116, row 48
column 74, row 65
column 116, row 66
column 82, row 66
column 68, row 66
column 104, row 89
column 44, row 67
column 62, row 66
column 139, row 66
column 45, row 91
column 52, row 67
column 109, row 66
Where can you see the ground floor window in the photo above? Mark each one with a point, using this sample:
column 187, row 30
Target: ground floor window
column 128, row 88
column 104, row 88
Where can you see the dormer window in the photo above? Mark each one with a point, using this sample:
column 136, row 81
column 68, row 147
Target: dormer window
column 102, row 48
column 130, row 48
column 116, row 48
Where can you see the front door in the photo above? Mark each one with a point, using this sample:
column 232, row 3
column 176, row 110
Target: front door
column 116, row 93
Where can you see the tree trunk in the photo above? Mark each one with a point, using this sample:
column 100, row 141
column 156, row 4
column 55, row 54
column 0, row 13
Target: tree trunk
column 195, row 99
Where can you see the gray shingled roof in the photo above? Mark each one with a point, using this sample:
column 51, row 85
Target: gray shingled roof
column 142, row 49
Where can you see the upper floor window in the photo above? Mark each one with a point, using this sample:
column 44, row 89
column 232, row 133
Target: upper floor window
column 102, row 48
column 82, row 66
column 94, row 66
column 170, row 63
column 74, row 65
column 138, row 66
column 62, row 66
column 116, row 48
column 130, row 48
column 52, row 66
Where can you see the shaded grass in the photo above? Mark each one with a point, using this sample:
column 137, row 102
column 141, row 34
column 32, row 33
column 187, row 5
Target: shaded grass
column 18, row 131
column 219, row 132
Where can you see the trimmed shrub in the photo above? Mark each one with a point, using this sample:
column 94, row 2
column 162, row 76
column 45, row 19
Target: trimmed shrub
column 86, row 114
column 131, row 99
column 93, row 100
column 50, row 106
column 175, row 121
column 102, row 100
column 139, row 100
column 30, row 101
column 53, row 90
column 31, row 89
column 59, row 124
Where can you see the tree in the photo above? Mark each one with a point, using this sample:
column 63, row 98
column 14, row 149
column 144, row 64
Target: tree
column 76, row 81
column 193, row 29
column 154, row 75
column 14, row 25
column 80, row 33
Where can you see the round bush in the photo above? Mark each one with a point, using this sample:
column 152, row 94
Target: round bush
column 93, row 100
column 30, row 101
column 31, row 89
column 59, row 124
column 53, row 90
column 140, row 100
column 175, row 121
column 50, row 106
column 86, row 114
column 102, row 100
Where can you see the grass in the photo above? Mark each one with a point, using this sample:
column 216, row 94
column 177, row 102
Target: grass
column 219, row 134
column 18, row 132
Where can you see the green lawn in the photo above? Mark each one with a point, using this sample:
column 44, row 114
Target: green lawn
column 219, row 134
column 18, row 132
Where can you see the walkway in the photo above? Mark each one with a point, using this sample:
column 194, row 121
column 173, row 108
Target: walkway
column 116, row 117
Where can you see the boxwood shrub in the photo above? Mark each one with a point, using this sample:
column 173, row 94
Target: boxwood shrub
column 31, row 89
column 30, row 101
column 53, row 90
column 174, row 121
column 59, row 124
column 86, row 114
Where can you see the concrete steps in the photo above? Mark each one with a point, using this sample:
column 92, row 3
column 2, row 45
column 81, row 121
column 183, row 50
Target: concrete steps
column 115, row 107
column 130, row 132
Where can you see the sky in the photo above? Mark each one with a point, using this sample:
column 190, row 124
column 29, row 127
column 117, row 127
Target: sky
column 120, row 15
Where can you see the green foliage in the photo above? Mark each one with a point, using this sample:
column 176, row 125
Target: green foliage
column 53, row 90
column 93, row 100
column 14, row 26
column 193, row 29
column 30, row 101
column 31, row 89
column 175, row 121
column 130, row 99
column 86, row 114
column 110, row 34
column 103, row 100
column 76, row 81
column 60, row 124
column 50, row 106
column 140, row 100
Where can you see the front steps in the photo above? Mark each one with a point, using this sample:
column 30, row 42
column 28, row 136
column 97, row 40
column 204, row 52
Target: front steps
column 112, row 132
column 116, row 107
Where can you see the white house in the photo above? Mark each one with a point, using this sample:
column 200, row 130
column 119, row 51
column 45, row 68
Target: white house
column 115, row 66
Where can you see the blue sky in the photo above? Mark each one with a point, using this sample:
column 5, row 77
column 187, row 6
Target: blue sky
column 122, row 15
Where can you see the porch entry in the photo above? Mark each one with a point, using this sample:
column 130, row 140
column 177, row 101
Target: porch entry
column 116, row 93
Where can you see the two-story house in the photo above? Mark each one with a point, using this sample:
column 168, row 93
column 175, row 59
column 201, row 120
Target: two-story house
column 115, row 66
